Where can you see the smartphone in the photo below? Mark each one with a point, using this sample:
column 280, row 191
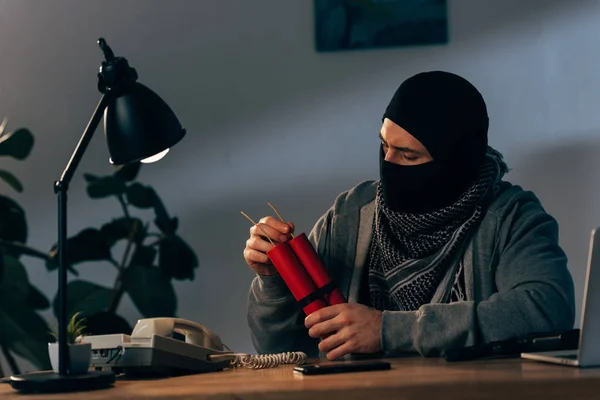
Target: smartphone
column 342, row 367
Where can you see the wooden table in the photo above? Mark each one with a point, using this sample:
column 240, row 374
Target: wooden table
column 412, row 378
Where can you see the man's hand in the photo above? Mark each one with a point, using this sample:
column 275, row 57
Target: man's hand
column 348, row 328
column 257, row 246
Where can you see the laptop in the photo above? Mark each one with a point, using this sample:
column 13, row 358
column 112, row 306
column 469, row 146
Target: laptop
column 588, row 352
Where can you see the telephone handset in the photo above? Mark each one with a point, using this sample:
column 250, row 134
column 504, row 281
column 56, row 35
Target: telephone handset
column 194, row 333
column 153, row 343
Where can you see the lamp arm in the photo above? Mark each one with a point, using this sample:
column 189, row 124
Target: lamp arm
column 84, row 141
column 60, row 188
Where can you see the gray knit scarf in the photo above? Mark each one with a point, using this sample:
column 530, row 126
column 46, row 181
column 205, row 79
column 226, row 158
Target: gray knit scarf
column 410, row 253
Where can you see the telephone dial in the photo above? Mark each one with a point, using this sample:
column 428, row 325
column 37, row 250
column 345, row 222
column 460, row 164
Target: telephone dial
column 174, row 346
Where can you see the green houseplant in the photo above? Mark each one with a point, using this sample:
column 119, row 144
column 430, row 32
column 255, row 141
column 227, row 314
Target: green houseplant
column 80, row 354
column 23, row 331
column 75, row 329
column 153, row 256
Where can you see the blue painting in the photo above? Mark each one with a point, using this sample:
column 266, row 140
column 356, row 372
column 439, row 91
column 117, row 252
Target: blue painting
column 367, row 24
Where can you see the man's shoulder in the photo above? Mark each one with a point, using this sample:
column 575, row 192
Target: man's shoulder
column 355, row 198
column 508, row 196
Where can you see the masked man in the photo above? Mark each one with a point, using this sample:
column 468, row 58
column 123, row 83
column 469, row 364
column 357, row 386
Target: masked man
column 439, row 253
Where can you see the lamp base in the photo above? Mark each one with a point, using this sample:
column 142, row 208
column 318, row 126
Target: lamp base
column 51, row 382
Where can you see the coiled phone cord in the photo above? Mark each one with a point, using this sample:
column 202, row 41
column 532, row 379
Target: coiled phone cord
column 242, row 360
column 268, row 360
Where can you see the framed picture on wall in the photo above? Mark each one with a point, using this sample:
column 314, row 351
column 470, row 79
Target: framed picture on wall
column 368, row 24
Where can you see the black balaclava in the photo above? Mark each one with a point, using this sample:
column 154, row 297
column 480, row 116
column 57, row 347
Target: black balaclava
column 449, row 117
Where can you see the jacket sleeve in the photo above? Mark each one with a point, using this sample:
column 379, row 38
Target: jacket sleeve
column 535, row 293
column 276, row 321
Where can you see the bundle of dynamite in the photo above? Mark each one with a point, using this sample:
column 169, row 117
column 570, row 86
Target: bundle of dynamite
column 303, row 272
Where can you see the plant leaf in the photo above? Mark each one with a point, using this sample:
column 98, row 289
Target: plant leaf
column 120, row 228
column 22, row 330
column 151, row 291
column 177, row 259
column 75, row 327
column 167, row 226
column 128, row 172
column 88, row 245
column 104, row 187
column 85, row 297
column 11, row 180
column 13, row 225
column 89, row 178
column 14, row 287
column 163, row 221
column 36, row 299
column 17, row 144
column 25, row 333
column 105, row 323
column 17, row 249
column 140, row 196
column 144, row 256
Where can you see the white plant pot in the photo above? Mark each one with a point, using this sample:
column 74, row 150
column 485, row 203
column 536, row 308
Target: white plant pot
column 80, row 357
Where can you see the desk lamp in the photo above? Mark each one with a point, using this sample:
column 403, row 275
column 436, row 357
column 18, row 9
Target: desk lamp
column 139, row 127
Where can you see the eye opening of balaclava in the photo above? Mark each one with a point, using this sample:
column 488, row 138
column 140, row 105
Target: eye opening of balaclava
column 448, row 115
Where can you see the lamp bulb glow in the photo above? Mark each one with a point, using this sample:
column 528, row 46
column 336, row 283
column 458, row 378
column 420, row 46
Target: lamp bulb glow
column 155, row 157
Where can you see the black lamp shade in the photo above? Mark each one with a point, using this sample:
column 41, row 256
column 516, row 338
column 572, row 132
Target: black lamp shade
column 138, row 125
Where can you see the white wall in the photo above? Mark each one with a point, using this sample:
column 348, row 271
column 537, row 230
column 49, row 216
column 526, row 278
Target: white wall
column 271, row 120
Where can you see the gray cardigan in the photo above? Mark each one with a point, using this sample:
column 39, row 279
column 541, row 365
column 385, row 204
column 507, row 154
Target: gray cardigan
column 516, row 275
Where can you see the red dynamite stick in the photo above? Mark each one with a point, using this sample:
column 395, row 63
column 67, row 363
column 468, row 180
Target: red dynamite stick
column 314, row 266
column 295, row 276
